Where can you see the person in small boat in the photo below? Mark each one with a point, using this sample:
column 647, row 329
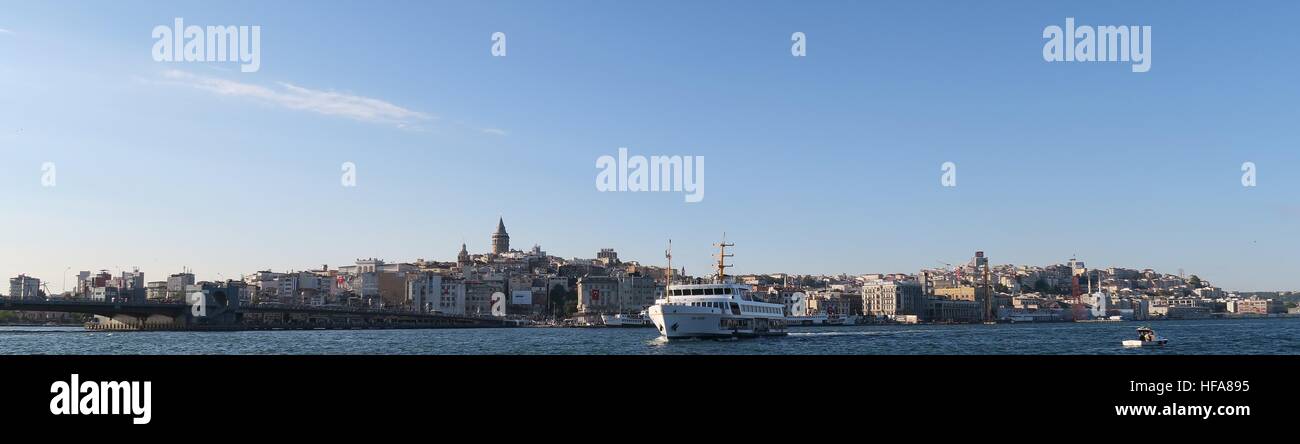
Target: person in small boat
column 1146, row 335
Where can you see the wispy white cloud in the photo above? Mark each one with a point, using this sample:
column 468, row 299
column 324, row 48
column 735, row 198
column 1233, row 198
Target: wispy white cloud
column 6, row 31
column 295, row 97
column 494, row 131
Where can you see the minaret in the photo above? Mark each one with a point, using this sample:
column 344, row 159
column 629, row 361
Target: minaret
column 500, row 240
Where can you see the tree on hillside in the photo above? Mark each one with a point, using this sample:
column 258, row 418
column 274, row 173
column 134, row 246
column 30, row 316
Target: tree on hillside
column 563, row 303
column 1040, row 286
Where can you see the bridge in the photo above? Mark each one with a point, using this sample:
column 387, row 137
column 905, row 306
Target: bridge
column 218, row 315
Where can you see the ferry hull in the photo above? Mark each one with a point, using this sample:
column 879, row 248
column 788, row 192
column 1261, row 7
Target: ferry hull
column 686, row 322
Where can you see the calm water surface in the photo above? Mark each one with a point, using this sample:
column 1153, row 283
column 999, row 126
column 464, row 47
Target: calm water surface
column 1240, row 336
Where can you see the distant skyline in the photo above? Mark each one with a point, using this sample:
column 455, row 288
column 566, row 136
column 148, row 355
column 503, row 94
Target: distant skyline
column 824, row 164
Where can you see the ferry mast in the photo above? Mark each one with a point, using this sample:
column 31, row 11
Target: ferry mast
column 668, row 294
column 722, row 258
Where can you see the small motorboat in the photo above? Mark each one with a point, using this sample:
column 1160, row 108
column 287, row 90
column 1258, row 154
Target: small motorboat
column 1146, row 338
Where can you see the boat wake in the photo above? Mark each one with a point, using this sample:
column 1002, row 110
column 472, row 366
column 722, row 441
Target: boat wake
column 850, row 333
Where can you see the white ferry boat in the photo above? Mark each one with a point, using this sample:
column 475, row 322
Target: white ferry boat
column 722, row 309
column 821, row 320
column 626, row 320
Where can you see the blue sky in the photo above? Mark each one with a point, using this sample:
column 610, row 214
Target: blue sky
column 828, row 163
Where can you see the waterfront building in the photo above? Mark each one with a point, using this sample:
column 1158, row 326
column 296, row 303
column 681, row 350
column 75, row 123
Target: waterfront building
column 79, row 286
column 177, row 283
column 130, row 286
column 87, row 282
column 24, row 287
column 521, row 292
column 423, row 291
column 104, row 294
column 623, row 294
column 452, row 298
column 597, row 294
column 478, row 294
column 1017, row 314
column 891, row 298
column 156, row 291
column 962, row 293
column 1249, row 306
column 834, row 301
column 956, row 311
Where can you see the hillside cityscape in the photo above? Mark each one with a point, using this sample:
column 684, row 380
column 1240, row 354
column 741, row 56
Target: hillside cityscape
column 542, row 288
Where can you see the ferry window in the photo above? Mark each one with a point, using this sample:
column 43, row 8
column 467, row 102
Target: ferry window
column 726, row 290
column 708, row 292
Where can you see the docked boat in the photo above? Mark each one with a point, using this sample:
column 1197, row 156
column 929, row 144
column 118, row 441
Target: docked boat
column 821, row 320
column 1146, row 338
column 626, row 320
column 722, row 309
column 807, row 320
